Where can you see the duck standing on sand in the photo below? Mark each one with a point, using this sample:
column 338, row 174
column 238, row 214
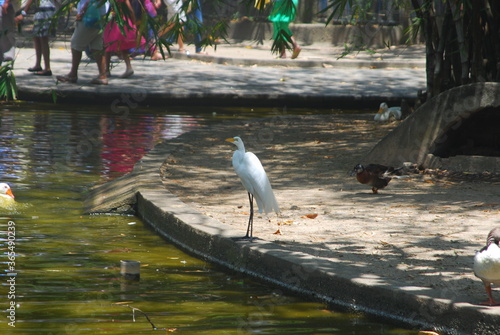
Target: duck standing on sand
column 385, row 113
column 487, row 264
column 375, row 175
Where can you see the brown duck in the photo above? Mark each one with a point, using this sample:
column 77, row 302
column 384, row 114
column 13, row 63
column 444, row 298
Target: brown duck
column 375, row 175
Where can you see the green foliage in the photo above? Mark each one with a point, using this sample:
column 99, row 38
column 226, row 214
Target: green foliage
column 8, row 87
column 462, row 42
column 281, row 42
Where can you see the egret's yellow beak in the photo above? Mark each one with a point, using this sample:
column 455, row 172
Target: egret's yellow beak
column 380, row 111
column 229, row 140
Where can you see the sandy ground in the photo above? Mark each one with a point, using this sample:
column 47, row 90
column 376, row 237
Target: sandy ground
column 422, row 230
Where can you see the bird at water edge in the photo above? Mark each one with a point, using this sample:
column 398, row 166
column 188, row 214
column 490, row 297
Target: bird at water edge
column 375, row 175
column 254, row 178
column 487, row 264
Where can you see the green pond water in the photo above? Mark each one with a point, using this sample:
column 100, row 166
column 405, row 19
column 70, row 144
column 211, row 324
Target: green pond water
column 60, row 269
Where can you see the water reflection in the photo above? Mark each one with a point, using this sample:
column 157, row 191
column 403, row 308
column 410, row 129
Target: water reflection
column 48, row 142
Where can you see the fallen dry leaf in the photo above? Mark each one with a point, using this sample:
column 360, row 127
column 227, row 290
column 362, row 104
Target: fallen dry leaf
column 285, row 223
column 278, row 232
column 310, row 216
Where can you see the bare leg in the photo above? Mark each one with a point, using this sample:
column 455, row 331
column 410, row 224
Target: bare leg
column 129, row 70
column 296, row 48
column 181, row 43
column 38, row 52
column 45, row 52
column 101, row 63
column 107, row 61
column 283, row 53
column 72, row 76
column 76, row 58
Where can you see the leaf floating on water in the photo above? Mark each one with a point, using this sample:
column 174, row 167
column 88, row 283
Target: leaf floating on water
column 310, row 216
column 278, row 232
column 171, row 330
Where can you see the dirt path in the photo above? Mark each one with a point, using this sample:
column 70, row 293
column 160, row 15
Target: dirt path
column 421, row 231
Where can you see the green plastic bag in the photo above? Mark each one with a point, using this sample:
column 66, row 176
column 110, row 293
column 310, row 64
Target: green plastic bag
column 92, row 15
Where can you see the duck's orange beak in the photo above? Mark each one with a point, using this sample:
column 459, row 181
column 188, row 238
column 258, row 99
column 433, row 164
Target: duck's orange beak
column 229, row 140
column 9, row 193
column 380, row 111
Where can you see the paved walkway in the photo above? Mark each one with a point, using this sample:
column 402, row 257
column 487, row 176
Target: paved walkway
column 239, row 74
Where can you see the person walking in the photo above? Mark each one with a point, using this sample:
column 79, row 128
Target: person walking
column 281, row 16
column 44, row 11
column 120, row 42
column 173, row 9
column 8, row 28
column 87, row 33
column 195, row 23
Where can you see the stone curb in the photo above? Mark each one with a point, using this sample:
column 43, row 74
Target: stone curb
column 306, row 63
column 296, row 272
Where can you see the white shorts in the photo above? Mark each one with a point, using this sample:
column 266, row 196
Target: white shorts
column 84, row 36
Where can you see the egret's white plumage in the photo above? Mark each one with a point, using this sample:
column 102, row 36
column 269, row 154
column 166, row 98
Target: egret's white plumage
column 487, row 264
column 254, row 178
column 385, row 113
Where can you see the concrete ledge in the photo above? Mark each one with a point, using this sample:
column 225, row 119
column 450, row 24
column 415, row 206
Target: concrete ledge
column 326, row 280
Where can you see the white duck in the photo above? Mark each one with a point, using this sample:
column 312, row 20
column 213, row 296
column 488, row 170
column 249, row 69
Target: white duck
column 6, row 195
column 5, row 191
column 487, row 264
column 385, row 113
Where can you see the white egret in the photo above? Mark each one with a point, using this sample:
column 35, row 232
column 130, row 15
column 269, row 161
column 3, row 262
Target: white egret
column 487, row 264
column 253, row 177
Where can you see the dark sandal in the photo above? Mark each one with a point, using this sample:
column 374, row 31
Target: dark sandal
column 35, row 69
column 67, row 79
column 43, row 73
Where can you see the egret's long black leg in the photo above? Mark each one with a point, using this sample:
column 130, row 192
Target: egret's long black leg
column 250, row 220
